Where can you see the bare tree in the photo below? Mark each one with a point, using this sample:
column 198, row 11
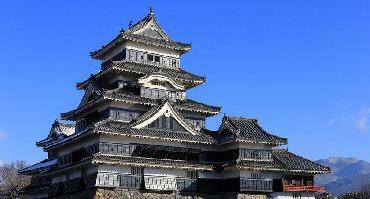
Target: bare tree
column 365, row 188
column 10, row 181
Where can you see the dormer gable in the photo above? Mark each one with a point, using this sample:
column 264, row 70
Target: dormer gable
column 160, row 81
column 163, row 111
column 92, row 92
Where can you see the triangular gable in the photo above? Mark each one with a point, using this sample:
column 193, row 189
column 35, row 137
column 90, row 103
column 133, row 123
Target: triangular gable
column 91, row 92
column 58, row 128
column 149, row 27
column 165, row 110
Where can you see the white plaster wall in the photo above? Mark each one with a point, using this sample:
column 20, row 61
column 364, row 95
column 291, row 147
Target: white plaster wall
column 114, row 169
column 165, row 172
column 142, row 47
column 285, row 195
column 254, row 146
column 152, row 49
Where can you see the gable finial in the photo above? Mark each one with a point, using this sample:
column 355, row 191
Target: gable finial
column 151, row 12
column 130, row 24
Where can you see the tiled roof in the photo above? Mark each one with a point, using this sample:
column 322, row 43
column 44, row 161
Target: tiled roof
column 161, row 40
column 148, row 69
column 124, row 96
column 40, row 167
column 149, row 162
column 122, row 128
column 248, row 130
column 148, row 114
column 58, row 131
column 284, row 160
column 293, row 162
column 145, row 69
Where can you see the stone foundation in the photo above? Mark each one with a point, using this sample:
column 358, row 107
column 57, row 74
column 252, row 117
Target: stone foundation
column 106, row 193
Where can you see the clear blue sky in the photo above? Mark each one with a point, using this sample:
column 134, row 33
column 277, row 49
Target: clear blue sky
column 301, row 67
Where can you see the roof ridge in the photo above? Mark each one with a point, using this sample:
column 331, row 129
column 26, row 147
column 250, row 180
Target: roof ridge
column 241, row 118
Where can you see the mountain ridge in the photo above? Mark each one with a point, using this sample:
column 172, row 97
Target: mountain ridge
column 348, row 175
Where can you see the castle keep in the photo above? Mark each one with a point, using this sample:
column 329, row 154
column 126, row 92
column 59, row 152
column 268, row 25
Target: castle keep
column 136, row 134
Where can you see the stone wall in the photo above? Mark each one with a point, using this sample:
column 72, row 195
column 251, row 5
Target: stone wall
column 117, row 193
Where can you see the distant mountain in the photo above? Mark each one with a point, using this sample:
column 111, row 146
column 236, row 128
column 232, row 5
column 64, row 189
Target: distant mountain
column 348, row 175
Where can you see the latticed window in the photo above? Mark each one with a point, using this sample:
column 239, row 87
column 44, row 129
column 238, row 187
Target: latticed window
column 192, row 174
column 255, row 175
column 137, row 171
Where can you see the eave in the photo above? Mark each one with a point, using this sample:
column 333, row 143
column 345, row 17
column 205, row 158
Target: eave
column 123, row 36
column 143, row 69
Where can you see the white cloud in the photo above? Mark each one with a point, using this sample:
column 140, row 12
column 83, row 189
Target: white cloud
column 361, row 123
column 2, row 135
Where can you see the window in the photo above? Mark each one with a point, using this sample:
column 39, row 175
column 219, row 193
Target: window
column 150, row 57
column 157, row 83
column 297, row 195
column 174, row 62
column 192, row 174
column 137, row 171
column 156, row 59
column 164, row 122
column 255, row 175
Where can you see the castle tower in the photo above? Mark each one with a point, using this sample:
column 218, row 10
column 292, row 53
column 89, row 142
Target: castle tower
column 136, row 133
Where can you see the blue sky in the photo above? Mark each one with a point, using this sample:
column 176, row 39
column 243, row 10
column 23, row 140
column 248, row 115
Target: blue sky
column 301, row 67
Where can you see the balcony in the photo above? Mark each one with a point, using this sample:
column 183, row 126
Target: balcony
column 258, row 185
column 294, row 188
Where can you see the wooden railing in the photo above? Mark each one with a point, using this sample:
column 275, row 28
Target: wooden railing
column 167, row 183
column 259, row 185
column 294, row 188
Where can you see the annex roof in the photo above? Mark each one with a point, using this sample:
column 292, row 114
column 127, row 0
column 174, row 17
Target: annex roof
column 247, row 130
column 283, row 160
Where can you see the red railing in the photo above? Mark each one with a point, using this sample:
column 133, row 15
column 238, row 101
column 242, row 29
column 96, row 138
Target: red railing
column 293, row 188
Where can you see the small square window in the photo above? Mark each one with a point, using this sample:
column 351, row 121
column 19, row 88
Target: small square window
column 150, row 57
column 156, row 58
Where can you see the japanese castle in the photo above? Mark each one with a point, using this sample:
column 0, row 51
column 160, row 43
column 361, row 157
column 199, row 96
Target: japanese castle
column 136, row 134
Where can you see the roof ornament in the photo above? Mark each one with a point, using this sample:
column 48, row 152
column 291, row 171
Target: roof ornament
column 151, row 12
column 130, row 24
